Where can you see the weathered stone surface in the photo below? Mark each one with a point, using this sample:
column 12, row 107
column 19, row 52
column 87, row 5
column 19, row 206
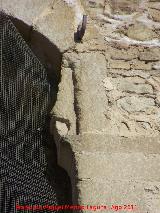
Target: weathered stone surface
column 134, row 187
column 141, row 88
column 150, row 55
column 131, row 164
column 158, row 99
column 63, row 110
column 156, row 66
column 124, row 6
column 87, row 94
column 62, row 128
column 140, row 32
column 135, row 104
column 132, row 73
column 154, row 4
column 112, row 144
column 108, row 84
column 94, row 7
column 118, row 64
column 155, row 14
column 143, row 195
column 49, row 18
column 28, row 10
column 128, row 55
column 155, row 82
column 96, row 3
column 55, row 26
column 141, row 65
column 91, row 45
column 135, row 85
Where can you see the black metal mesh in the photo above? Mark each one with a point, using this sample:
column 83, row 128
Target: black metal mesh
column 24, row 101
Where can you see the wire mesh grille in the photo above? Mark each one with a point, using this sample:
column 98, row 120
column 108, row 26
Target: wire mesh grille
column 24, row 101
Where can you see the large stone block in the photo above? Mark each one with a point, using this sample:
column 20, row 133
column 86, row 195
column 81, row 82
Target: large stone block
column 106, row 143
column 132, row 84
column 141, row 32
column 119, row 64
column 108, row 170
column 89, row 92
column 56, row 20
column 144, row 196
column 58, row 25
column 128, row 55
column 135, row 104
column 118, row 166
column 27, row 10
column 63, row 110
column 124, row 6
column 141, row 65
column 152, row 54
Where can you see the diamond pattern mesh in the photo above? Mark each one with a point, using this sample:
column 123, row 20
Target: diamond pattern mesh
column 24, row 101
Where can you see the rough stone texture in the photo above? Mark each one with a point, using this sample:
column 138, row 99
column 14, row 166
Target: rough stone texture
column 65, row 102
column 89, row 92
column 56, row 20
column 137, row 184
column 140, row 32
column 154, row 13
column 106, row 120
column 135, row 104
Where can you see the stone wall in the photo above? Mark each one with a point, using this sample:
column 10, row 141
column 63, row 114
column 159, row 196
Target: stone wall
column 125, row 49
column 106, row 119
column 115, row 112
